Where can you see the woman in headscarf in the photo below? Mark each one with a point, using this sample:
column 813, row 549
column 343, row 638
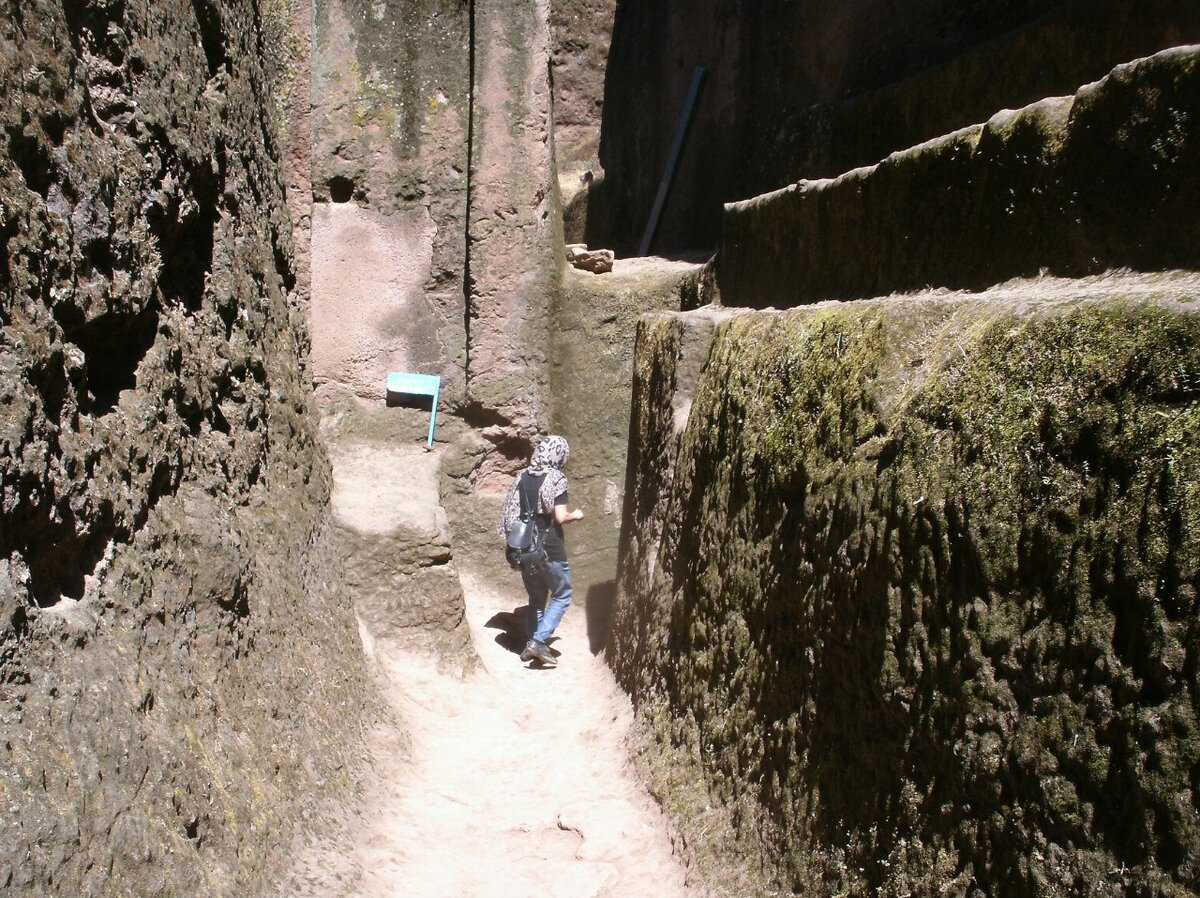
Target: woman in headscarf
column 544, row 479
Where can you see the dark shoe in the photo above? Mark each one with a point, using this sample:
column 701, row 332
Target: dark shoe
column 526, row 653
column 538, row 652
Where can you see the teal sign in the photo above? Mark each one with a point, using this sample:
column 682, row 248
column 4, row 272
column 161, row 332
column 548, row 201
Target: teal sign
column 418, row 385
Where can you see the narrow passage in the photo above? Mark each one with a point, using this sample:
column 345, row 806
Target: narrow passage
column 516, row 781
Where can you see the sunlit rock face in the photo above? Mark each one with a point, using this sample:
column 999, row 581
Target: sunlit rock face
column 435, row 231
column 177, row 664
column 390, row 138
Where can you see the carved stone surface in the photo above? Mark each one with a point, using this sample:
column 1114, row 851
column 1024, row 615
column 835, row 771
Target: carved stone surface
column 179, row 670
column 390, row 142
column 805, row 89
column 1069, row 186
column 907, row 591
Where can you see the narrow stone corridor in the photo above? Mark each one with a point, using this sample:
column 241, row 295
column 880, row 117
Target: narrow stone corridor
column 510, row 781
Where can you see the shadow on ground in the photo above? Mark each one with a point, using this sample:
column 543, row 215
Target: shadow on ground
column 597, row 607
column 512, row 634
column 511, row 625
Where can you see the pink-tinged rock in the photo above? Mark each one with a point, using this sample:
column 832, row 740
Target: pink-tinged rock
column 297, row 157
column 390, row 116
column 369, row 313
column 511, row 228
column 597, row 261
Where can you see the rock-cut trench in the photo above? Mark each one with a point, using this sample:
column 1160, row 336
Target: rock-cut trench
column 505, row 780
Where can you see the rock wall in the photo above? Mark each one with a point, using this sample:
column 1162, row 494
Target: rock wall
column 390, row 145
column 591, row 378
column 806, row 90
column 514, row 232
column 436, row 235
column 907, row 583
column 1067, row 186
column 581, row 32
column 180, row 678
column 909, row 590
column 287, row 42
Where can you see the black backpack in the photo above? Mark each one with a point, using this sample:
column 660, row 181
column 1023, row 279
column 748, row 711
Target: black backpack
column 525, row 545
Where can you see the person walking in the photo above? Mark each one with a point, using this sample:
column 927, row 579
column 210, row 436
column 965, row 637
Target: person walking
column 544, row 479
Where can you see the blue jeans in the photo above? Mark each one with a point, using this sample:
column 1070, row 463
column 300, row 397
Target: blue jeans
column 553, row 578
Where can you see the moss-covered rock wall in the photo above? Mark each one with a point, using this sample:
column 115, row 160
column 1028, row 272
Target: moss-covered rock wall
column 180, row 678
column 909, row 597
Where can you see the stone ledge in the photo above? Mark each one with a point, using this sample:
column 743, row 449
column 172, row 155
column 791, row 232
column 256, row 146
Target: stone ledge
column 1068, row 186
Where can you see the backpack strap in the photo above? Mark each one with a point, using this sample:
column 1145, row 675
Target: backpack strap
column 528, row 508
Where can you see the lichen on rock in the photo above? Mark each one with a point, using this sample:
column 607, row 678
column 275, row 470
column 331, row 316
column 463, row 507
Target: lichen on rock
column 916, row 606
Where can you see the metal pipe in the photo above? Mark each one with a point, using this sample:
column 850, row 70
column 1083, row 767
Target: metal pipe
column 664, row 186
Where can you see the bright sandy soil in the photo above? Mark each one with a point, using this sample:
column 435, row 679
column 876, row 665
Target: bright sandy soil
column 510, row 781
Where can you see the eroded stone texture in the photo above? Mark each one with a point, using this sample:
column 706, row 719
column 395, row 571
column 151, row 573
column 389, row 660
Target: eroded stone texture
column 395, row 538
column 594, row 324
column 406, row 278
column 287, row 40
column 1070, row 185
column 392, row 526
column 582, row 32
column 179, row 672
column 908, row 600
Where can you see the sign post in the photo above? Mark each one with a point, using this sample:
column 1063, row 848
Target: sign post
column 418, row 385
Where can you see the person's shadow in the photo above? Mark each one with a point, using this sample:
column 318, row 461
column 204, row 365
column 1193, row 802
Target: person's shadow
column 511, row 625
column 598, row 608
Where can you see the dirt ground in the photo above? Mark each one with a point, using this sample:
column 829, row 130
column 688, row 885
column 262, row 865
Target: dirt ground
column 513, row 780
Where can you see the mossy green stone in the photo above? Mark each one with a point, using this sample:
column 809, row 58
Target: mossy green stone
column 925, row 590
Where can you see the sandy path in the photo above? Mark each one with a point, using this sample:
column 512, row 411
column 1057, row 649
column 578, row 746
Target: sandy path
column 516, row 784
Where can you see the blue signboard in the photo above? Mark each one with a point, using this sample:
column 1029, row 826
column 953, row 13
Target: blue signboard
column 418, row 385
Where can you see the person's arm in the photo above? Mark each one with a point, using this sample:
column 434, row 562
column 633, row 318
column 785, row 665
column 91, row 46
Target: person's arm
column 563, row 516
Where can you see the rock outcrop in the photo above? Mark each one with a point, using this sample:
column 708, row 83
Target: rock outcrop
column 1067, row 186
column 908, row 584
column 908, row 590
column 581, row 33
column 436, row 232
column 594, row 325
column 180, row 678
column 513, row 232
column 392, row 528
column 801, row 89
column 390, row 133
